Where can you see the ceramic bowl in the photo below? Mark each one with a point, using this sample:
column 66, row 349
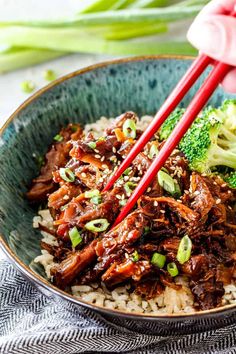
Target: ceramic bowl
column 107, row 89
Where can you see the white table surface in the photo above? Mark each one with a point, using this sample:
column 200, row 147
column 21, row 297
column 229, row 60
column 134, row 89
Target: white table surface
column 11, row 95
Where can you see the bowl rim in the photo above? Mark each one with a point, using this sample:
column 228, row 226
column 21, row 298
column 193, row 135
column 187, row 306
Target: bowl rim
column 39, row 280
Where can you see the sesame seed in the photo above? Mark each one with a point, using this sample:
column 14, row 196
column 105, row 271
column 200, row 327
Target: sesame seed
column 155, row 203
column 96, row 150
column 128, row 194
column 104, row 166
column 66, row 197
column 224, row 185
column 97, row 156
column 149, row 190
column 103, row 158
column 114, row 149
column 215, row 183
column 162, row 211
column 218, row 201
column 126, row 178
column 179, row 200
column 123, row 196
column 83, row 175
column 203, row 174
column 196, row 193
column 186, row 192
column 118, row 196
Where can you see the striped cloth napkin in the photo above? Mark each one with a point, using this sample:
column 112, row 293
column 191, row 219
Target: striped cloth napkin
column 33, row 323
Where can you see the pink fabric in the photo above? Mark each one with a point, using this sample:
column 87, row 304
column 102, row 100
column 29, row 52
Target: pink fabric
column 213, row 32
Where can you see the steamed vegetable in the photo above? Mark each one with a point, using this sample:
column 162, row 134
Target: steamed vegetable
column 211, row 140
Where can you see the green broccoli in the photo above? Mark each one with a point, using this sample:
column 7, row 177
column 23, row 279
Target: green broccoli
column 211, row 140
column 170, row 123
column 231, row 179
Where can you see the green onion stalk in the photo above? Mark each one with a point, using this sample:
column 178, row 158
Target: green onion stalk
column 114, row 27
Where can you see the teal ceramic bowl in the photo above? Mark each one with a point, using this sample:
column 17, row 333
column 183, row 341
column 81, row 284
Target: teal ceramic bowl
column 108, row 89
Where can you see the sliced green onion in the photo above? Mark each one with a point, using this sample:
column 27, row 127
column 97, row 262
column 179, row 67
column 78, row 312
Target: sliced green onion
column 92, row 145
column 102, row 138
column 49, row 75
column 40, row 161
column 129, row 128
column 127, row 171
column 74, row 128
column 96, row 200
column 63, row 207
column 168, row 183
column 123, row 202
column 146, row 230
column 135, row 256
column 98, row 225
column 75, row 237
column 153, row 152
column 67, row 174
column 27, row 86
column 58, row 137
column 158, row 260
column 129, row 187
column 184, row 250
column 172, row 269
column 92, row 193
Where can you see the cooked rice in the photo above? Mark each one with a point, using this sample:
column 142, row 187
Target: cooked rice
column 170, row 301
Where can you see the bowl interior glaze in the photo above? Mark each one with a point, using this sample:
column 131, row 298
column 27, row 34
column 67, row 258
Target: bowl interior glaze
column 138, row 84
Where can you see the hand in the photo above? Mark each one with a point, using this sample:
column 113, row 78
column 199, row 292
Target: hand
column 213, row 32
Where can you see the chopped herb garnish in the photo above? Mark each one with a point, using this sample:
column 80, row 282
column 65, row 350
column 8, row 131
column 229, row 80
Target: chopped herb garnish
column 123, row 202
column 63, row 207
column 184, row 250
column 135, row 256
column 49, row 75
column 27, row 86
column 172, row 269
column 58, row 137
column 92, row 193
column 153, row 151
column 96, row 200
column 130, row 186
column 92, row 145
column 158, row 260
column 74, row 128
column 168, row 183
column 75, row 237
column 129, row 128
column 67, row 174
column 127, row 171
column 98, row 225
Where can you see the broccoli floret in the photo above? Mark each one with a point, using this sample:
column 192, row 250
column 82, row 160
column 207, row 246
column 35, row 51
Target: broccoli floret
column 170, row 123
column 231, row 179
column 211, row 141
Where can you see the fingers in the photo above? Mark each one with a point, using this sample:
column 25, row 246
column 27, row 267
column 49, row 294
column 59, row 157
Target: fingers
column 229, row 82
column 218, row 7
column 215, row 35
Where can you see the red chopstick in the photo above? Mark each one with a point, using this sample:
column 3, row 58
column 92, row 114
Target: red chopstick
column 198, row 102
column 186, row 82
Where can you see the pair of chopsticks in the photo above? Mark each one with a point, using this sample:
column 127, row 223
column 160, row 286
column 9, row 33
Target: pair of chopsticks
column 200, row 99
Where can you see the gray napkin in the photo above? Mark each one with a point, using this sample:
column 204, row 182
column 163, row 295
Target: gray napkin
column 33, row 323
